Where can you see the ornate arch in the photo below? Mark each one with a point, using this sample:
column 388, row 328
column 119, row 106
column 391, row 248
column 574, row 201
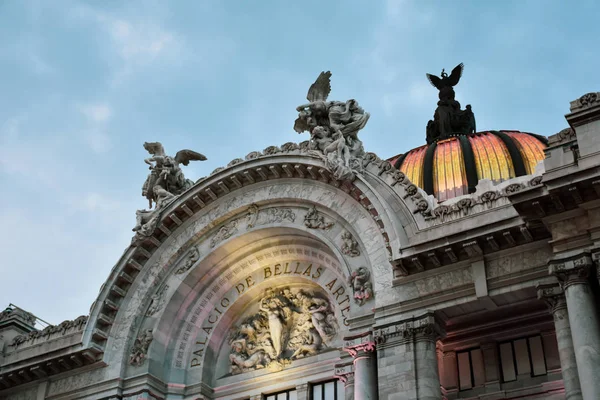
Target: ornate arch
column 202, row 215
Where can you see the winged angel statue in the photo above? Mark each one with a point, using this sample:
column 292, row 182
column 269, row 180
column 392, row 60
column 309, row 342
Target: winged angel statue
column 449, row 119
column 163, row 184
column 333, row 128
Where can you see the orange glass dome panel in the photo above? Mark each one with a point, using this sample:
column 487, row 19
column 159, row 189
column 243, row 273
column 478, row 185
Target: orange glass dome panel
column 531, row 149
column 492, row 159
column 449, row 175
column 412, row 166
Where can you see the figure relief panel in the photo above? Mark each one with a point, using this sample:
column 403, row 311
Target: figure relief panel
column 278, row 327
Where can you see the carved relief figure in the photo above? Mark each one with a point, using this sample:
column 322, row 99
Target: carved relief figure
column 349, row 245
column 333, row 126
column 225, row 232
column 192, row 257
column 158, row 301
column 140, row 348
column 314, row 220
column 290, row 324
column 361, row 285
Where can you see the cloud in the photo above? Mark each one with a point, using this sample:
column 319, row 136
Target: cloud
column 141, row 42
column 98, row 141
column 97, row 112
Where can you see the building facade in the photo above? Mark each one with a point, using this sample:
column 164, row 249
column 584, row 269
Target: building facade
column 465, row 269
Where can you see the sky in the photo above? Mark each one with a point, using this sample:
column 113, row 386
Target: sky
column 86, row 83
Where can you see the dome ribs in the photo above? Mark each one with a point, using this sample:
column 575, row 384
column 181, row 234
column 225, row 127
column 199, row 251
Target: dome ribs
column 514, row 152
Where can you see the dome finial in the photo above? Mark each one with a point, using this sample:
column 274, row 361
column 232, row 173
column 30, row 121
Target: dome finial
column 449, row 119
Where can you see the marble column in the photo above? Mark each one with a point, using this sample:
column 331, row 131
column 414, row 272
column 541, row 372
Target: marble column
column 554, row 296
column 362, row 349
column 345, row 373
column 302, row 392
column 427, row 371
column 409, row 359
column 574, row 273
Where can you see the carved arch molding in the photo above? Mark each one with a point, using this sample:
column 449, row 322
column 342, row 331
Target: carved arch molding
column 208, row 254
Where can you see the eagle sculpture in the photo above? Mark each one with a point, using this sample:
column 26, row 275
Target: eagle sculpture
column 445, row 80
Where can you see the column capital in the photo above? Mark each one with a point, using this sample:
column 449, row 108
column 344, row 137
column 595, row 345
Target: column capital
column 359, row 345
column 574, row 270
column 424, row 327
column 553, row 295
column 345, row 373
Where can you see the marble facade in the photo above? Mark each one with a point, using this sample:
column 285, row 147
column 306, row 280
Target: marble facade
column 272, row 275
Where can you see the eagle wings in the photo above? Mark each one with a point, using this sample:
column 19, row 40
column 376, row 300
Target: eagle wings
column 182, row 157
column 445, row 80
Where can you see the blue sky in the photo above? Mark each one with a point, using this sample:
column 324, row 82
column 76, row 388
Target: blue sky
column 86, row 83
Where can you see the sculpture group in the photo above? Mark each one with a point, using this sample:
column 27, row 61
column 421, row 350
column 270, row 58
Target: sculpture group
column 165, row 181
column 333, row 128
column 290, row 324
column 449, row 119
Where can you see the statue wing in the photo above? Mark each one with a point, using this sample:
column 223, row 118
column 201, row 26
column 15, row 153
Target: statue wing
column 456, row 74
column 435, row 81
column 300, row 125
column 185, row 156
column 154, row 148
column 321, row 88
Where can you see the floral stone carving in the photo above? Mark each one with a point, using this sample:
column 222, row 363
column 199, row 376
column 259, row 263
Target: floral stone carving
column 163, row 184
column 333, row 127
column 139, row 351
column 290, row 324
column 360, row 281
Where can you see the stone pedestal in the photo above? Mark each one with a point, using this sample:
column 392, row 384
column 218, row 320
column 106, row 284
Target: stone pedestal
column 345, row 373
column 555, row 298
column 573, row 274
column 362, row 349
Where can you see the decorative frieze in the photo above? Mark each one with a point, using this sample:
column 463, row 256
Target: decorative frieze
column 64, row 328
column 572, row 271
column 418, row 328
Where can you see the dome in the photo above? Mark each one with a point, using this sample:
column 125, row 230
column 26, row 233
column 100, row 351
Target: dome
column 452, row 167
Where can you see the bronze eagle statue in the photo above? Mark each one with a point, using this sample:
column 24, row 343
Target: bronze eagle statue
column 445, row 80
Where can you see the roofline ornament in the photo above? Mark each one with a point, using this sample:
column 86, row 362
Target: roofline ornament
column 449, row 120
column 333, row 128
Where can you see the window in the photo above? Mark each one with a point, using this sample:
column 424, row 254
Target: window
column 285, row 395
column 522, row 357
column 330, row 390
column 471, row 371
